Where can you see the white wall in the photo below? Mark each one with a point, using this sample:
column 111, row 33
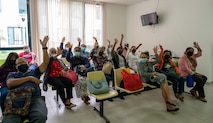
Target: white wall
column 181, row 23
column 115, row 21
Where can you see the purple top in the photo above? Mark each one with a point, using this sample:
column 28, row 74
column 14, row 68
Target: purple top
column 3, row 74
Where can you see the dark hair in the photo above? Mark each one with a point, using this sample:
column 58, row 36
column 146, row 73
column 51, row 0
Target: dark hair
column 167, row 51
column 11, row 54
column 146, row 53
column 189, row 48
column 77, row 48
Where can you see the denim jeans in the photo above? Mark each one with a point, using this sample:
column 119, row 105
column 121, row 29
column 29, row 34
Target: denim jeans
column 3, row 91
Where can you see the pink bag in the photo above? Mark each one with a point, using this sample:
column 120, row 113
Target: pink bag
column 71, row 75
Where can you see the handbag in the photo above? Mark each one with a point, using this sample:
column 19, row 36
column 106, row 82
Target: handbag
column 81, row 87
column 18, row 101
column 71, row 75
column 190, row 81
column 107, row 68
column 132, row 82
column 98, row 86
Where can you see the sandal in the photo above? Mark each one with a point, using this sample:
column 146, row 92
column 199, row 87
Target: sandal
column 193, row 93
column 172, row 104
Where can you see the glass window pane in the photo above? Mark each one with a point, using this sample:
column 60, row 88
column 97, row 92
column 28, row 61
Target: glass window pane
column 13, row 31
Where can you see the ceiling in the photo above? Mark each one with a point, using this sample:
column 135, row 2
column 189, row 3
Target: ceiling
column 121, row 2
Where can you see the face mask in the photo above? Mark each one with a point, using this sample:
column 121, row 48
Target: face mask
column 53, row 55
column 83, row 48
column 27, row 50
column 23, row 68
column 101, row 53
column 143, row 60
column 167, row 56
column 134, row 50
column 120, row 52
column 110, row 49
column 67, row 48
column 189, row 53
column 77, row 54
column 12, row 62
column 168, row 66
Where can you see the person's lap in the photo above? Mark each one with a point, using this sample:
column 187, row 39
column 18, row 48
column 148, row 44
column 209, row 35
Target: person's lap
column 37, row 114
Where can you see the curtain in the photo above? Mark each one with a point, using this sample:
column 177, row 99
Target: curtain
column 65, row 18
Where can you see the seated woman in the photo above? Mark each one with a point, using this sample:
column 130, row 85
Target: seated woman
column 54, row 76
column 145, row 70
column 187, row 65
column 99, row 62
column 172, row 72
column 7, row 67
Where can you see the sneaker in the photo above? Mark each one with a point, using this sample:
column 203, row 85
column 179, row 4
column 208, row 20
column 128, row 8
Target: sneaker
column 71, row 105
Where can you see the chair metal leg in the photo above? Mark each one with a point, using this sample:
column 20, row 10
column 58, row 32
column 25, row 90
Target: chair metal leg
column 101, row 111
column 57, row 99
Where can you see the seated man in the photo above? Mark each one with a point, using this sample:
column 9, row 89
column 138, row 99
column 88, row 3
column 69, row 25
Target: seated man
column 25, row 77
column 30, row 57
column 83, row 66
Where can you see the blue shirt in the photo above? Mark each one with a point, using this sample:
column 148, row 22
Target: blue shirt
column 35, row 73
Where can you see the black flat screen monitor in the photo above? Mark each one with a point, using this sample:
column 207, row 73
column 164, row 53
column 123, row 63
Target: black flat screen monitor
column 149, row 19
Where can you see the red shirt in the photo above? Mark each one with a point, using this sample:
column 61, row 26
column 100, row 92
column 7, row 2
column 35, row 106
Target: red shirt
column 55, row 69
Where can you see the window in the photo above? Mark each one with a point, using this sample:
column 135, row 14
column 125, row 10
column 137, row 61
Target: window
column 71, row 19
column 0, row 7
column 13, row 31
column 22, row 4
column 17, row 36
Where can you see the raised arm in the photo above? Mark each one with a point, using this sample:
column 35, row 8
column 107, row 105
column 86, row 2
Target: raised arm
column 45, row 62
column 68, row 57
column 113, row 48
column 199, row 53
column 138, row 46
column 122, row 37
column 62, row 43
column 79, row 41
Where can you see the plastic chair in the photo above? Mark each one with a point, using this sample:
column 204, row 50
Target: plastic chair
column 99, row 75
column 118, row 79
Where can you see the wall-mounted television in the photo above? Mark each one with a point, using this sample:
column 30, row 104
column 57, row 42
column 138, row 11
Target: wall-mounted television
column 149, row 19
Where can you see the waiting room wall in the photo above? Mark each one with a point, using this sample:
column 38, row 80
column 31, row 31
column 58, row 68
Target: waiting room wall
column 181, row 22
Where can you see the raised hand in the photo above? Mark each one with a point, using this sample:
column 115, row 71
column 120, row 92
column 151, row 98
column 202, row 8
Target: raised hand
column 155, row 49
column 69, row 45
column 116, row 40
column 59, row 51
column 108, row 41
column 161, row 47
column 79, row 40
column 196, row 45
column 63, row 39
column 94, row 38
column 44, row 41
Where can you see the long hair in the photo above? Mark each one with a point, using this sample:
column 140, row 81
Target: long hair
column 6, row 63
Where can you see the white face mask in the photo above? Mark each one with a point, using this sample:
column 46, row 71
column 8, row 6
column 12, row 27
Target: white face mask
column 53, row 55
column 67, row 48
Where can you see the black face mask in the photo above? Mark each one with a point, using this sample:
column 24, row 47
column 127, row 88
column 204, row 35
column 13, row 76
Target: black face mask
column 120, row 52
column 189, row 53
column 134, row 50
column 23, row 68
column 12, row 62
column 167, row 56
column 101, row 53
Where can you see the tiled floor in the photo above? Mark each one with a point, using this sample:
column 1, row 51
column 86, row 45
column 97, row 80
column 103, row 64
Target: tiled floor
column 145, row 108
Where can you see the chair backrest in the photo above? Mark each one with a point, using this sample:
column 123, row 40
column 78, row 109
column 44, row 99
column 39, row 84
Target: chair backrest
column 117, row 76
column 65, row 62
column 95, row 75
